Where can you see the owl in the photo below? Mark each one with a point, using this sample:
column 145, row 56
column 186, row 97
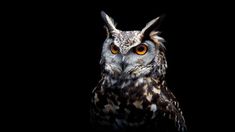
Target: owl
column 132, row 93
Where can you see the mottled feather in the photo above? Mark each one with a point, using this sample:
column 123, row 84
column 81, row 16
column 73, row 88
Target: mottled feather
column 133, row 93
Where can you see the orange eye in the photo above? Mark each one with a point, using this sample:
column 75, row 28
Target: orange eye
column 114, row 49
column 141, row 49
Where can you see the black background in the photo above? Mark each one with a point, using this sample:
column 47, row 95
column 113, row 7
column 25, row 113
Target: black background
column 67, row 38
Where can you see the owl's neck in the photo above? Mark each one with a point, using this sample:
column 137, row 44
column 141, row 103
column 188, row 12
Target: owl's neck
column 122, row 83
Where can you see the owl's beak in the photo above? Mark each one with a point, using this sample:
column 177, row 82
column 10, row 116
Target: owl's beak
column 123, row 63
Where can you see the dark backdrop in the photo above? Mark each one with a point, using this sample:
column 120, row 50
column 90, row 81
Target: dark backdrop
column 69, row 38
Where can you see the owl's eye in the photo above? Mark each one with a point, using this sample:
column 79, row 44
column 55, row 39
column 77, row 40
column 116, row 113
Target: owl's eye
column 141, row 49
column 114, row 49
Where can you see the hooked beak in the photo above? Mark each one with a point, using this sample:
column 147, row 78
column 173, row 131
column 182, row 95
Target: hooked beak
column 123, row 63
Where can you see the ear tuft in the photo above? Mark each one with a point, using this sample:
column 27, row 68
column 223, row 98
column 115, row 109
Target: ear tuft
column 109, row 22
column 151, row 26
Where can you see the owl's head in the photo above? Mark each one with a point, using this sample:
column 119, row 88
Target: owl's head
column 131, row 54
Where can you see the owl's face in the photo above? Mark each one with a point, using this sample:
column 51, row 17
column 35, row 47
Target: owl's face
column 129, row 54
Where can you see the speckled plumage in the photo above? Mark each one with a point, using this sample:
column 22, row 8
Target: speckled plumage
column 133, row 94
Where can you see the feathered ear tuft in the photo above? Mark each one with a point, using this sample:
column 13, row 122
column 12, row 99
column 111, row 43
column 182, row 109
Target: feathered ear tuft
column 151, row 26
column 109, row 22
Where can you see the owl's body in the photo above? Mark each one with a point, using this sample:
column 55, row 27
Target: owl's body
column 132, row 94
